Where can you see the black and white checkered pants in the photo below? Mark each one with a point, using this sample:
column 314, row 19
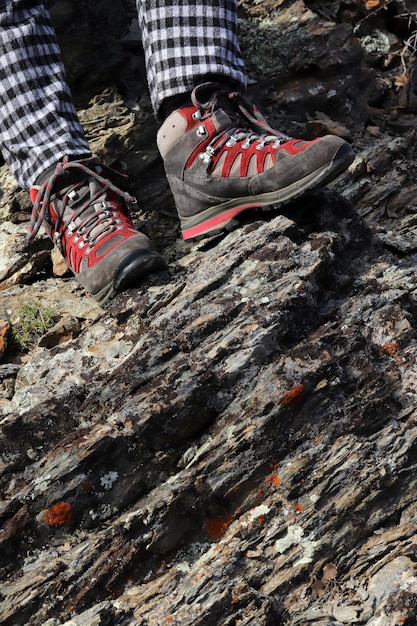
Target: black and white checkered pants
column 184, row 41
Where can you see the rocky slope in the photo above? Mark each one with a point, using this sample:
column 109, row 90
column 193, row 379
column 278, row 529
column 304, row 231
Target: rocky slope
column 234, row 441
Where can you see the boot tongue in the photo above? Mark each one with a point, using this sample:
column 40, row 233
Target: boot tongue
column 88, row 160
column 72, row 202
column 81, row 197
column 212, row 98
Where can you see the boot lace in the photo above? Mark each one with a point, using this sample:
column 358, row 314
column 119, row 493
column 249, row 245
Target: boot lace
column 91, row 228
column 248, row 125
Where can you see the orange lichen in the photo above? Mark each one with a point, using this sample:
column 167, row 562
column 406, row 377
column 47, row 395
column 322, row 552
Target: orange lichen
column 260, row 493
column 400, row 81
column 59, row 514
column 216, row 527
column 299, row 507
column 294, row 397
column 4, row 330
column 261, row 520
column 392, row 349
column 273, row 480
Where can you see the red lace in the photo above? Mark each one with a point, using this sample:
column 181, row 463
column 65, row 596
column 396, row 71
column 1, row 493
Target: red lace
column 42, row 200
column 249, row 125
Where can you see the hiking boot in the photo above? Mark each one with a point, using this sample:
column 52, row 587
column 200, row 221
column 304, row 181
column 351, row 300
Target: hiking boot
column 86, row 216
column 222, row 157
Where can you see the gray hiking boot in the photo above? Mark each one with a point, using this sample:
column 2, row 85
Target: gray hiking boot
column 86, row 217
column 222, row 157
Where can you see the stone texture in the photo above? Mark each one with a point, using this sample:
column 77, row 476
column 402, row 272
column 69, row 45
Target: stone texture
column 233, row 441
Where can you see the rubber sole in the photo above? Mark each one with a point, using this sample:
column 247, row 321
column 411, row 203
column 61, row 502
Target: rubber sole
column 131, row 269
column 222, row 215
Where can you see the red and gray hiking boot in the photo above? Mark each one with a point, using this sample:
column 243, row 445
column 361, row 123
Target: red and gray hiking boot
column 86, row 216
column 222, row 157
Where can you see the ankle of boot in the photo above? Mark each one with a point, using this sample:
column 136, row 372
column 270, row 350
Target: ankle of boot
column 171, row 104
column 50, row 170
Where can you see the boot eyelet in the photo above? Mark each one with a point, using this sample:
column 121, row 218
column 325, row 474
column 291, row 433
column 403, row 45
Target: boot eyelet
column 206, row 158
column 202, row 131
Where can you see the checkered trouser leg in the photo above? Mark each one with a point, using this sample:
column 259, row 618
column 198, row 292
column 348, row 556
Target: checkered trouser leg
column 38, row 122
column 186, row 41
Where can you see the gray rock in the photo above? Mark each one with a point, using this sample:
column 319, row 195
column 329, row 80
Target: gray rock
column 217, row 440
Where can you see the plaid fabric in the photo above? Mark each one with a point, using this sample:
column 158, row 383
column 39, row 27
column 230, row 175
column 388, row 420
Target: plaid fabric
column 186, row 41
column 38, row 122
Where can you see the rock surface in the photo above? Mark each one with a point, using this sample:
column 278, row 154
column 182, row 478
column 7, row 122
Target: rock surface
column 233, row 441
